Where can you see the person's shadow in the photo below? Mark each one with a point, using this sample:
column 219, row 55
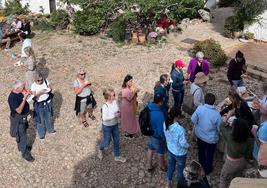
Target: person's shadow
column 31, row 132
column 57, row 103
column 42, row 68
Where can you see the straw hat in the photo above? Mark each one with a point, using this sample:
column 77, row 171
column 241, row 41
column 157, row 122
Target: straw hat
column 201, row 78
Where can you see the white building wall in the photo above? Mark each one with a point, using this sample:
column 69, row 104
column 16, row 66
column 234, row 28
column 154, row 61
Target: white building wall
column 259, row 29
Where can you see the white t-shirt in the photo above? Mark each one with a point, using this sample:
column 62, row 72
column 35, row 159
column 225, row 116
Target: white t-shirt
column 26, row 43
column 85, row 92
column 108, row 113
column 36, row 87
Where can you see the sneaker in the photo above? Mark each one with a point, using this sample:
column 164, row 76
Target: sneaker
column 54, row 131
column 100, row 154
column 120, row 159
column 128, row 136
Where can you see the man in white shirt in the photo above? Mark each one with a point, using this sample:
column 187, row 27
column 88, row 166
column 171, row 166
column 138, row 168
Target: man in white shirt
column 26, row 43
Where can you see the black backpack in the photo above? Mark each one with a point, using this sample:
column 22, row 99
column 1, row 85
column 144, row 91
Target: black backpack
column 144, row 122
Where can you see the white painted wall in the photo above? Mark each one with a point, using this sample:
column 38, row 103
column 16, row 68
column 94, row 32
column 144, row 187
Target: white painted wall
column 259, row 29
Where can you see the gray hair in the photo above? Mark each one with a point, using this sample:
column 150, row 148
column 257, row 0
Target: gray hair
column 18, row 84
column 200, row 55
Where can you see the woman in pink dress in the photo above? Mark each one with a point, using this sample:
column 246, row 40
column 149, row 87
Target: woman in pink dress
column 129, row 122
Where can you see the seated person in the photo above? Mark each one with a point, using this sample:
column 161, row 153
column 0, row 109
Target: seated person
column 16, row 25
column 25, row 28
column 3, row 40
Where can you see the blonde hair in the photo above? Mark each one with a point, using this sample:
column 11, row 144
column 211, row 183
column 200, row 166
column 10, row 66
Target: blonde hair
column 107, row 93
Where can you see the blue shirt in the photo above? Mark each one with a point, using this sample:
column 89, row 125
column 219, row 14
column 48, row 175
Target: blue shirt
column 178, row 79
column 262, row 135
column 156, row 120
column 207, row 121
column 176, row 141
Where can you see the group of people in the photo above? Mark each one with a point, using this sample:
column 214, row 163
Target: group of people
column 235, row 123
column 18, row 26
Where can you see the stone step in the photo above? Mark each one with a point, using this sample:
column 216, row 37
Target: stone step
column 255, row 67
column 257, row 74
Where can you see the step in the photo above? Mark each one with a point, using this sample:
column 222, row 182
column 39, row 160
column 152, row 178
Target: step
column 256, row 67
column 254, row 73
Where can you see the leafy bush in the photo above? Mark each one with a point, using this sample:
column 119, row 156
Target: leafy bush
column 88, row 22
column 249, row 36
column 212, row 50
column 232, row 24
column 117, row 30
column 226, row 3
column 59, row 19
column 15, row 7
column 43, row 25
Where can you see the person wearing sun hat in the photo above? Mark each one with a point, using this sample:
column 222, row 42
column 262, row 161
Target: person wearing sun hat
column 196, row 88
column 177, row 86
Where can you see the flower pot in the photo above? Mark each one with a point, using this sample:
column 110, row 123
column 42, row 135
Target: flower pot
column 134, row 38
column 236, row 34
column 142, row 38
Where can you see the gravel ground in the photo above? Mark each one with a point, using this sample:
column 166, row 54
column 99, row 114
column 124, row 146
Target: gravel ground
column 68, row 158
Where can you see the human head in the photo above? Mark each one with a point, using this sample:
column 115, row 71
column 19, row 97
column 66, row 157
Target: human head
column 23, row 35
column 209, row 99
column 18, row 86
column 240, row 130
column 173, row 113
column 164, row 80
column 200, row 56
column 158, row 99
column 179, row 64
column 108, row 93
column 81, row 74
column 39, row 78
column 234, row 97
column 201, row 79
column 128, row 81
column 239, row 56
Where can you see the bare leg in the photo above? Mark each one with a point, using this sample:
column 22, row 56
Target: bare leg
column 162, row 162
column 149, row 158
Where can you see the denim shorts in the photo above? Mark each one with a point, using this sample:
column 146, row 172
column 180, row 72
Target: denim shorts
column 157, row 145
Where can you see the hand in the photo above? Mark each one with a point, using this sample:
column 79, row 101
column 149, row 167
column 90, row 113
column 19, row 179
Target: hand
column 25, row 93
column 118, row 114
column 231, row 112
column 256, row 104
column 43, row 91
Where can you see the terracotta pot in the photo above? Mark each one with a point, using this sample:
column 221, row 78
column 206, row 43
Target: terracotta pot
column 142, row 38
column 236, row 34
column 134, row 37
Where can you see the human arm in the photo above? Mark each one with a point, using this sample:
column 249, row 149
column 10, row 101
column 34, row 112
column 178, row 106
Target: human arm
column 22, row 104
column 182, row 140
column 198, row 97
column 194, row 117
column 205, row 67
column 107, row 114
column 128, row 94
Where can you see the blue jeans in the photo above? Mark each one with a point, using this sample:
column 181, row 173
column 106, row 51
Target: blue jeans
column 172, row 165
column 205, row 155
column 108, row 132
column 44, row 120
column 238, row 83
column 178, row 97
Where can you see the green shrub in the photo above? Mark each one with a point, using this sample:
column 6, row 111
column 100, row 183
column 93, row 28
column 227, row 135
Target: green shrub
column 14, row 7
column 59, row 19
column 43, row 25
column 226, row 3
column 88, row 22
column 249, row 36
column 232, row 24
column 212, row 50
column 117, row 30
column 2, row 12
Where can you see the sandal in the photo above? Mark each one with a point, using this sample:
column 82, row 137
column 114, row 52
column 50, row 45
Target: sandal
column 85, row 124
column 92, row 117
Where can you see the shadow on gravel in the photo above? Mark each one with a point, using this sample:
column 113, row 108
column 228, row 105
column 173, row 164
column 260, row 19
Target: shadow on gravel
column 42, row 68
column 57, row 103
column 31, row 132
column 93, row 172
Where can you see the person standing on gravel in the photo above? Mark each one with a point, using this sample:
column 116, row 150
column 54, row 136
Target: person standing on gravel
column 129, row 121
column 236, row 68
column 157, row 141
column 206, row 120
column 43, row 106
column 110, row 114
column 196, row 65
column 20, row 111
column 85, row 102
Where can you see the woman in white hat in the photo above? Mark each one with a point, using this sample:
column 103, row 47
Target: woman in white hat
column 197, row 88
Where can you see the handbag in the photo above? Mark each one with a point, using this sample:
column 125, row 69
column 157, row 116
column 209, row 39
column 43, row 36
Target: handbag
column 51, row 95
column 188, row 104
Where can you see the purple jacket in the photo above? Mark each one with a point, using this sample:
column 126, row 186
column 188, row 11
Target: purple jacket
column 192, row 66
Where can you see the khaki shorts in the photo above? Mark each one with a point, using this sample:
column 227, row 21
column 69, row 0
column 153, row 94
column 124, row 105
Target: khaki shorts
column 84, row 107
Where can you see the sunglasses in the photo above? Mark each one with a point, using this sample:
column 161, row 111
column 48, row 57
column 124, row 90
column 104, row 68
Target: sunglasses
column 40, row 80
column 82, row 74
